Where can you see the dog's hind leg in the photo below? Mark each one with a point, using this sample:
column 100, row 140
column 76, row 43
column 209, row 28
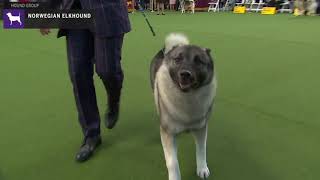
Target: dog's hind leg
column 182, row 7
column 200, row 137
column 170, row 152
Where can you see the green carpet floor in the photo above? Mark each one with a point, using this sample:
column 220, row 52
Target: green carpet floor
column 265, row 125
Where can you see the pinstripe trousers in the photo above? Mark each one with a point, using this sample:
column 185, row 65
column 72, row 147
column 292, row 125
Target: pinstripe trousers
column 86, row 52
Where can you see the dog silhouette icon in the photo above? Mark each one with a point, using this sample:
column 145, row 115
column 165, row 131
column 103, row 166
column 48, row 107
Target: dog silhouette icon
column 13, row 18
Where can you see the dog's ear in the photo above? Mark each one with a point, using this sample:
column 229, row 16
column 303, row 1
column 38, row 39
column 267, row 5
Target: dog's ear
column 173, row 48
column 207, row 50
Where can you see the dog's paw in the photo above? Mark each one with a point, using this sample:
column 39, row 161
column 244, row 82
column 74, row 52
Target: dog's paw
column 203, row 172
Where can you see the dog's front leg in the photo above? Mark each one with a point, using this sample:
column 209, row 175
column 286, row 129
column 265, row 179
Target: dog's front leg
column 200, row 137
column 170, row 152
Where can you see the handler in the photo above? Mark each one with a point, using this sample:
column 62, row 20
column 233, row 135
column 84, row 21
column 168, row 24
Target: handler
column 100, row 46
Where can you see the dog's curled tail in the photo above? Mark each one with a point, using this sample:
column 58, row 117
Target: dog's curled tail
column 175, row 39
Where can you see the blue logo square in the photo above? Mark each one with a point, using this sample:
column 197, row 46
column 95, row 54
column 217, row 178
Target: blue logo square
column 13, row 18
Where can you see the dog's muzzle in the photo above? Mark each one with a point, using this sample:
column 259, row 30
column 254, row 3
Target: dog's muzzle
column 186, row 80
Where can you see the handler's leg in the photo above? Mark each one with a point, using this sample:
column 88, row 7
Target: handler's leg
column 80, row 50
column 108, row 67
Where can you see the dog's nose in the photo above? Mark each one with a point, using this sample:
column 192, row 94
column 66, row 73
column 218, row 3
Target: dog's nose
column 185, row 74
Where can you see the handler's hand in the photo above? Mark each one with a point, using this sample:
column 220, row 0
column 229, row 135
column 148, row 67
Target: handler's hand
column 45, row 31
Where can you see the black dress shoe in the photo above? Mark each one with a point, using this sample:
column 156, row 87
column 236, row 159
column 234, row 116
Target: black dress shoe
column 88, row 147
column 112, row 116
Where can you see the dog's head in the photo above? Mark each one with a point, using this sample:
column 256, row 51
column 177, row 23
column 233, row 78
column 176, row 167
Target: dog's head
column 9, row 14
column 190, row 67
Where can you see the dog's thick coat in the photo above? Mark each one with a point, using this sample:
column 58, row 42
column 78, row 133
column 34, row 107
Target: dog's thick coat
column 188, row 4
column 181, row 110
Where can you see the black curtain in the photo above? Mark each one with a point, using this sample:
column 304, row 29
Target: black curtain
column 1, row 7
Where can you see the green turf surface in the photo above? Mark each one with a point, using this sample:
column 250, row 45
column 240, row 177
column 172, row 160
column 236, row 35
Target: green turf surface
column 266, row 121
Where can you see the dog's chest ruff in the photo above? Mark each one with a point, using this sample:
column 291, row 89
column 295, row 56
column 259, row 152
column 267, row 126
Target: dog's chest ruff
column 181, row 111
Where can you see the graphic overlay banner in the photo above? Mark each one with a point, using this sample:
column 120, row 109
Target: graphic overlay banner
column 35, row 15
column 14, row 4
column 67, row 19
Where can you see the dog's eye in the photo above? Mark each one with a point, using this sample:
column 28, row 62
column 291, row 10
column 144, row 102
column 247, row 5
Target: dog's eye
column 197, row 60
column 177, row 60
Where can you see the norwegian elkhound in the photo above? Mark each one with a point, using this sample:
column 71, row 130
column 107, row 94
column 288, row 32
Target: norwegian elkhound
column 184, row 86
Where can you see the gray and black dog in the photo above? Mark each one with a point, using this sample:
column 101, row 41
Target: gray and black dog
column 184, row 85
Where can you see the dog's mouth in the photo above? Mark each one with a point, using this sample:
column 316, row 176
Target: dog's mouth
column 186, row 84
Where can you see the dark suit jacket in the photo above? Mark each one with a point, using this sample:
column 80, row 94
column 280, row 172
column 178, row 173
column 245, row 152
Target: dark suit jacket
column 111, row 16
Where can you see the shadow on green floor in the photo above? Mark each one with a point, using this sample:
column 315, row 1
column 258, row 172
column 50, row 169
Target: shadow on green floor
column 1, row 175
